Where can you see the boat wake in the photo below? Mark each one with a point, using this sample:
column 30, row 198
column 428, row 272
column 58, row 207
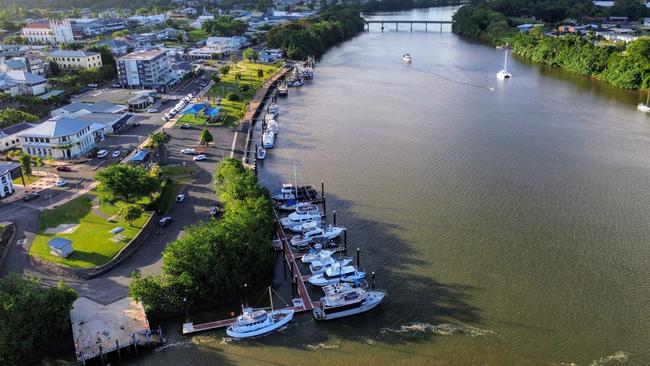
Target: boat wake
column 322, row 346
column 173, row 345
column 456, row 81
column 445, row 329
column 618, row 357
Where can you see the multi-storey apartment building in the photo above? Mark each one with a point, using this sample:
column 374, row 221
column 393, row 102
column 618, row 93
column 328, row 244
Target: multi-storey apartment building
column 146, row 69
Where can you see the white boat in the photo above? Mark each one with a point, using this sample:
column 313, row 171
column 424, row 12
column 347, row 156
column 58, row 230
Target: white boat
column 283, row 90
column 304, row 227
column 345, row 303
column 316, row 234
column 503, row 73
column 261, row 153
column 272, row 126
column 406, row 58
column 338, row 288
column 288, row 222
column 256, row 322
column 316, row 255
column 335, row 275
column 268, row 140
column 321, row 265
column 274, row 108
column 288, row 192
column 644, row 107
column 307, row 214
column 308, row 73
column 291, row 205
column 269, row 117
column 296, row 83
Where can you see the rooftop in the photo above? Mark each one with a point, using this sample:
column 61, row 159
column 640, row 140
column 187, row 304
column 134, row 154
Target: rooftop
column 8, row 131
column 59, row 243
column 101, row 106
column 116, row 96
column 38, row 25
column 8, row 166
column 142, row 55
column 70, row 53
column 55, row 127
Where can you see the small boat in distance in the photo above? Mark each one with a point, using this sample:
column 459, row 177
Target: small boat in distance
column 256, row 322
column 283, row 89
column 261, row 153
column 406, row 58
column 644, row 107
column 268, row 139
column 503, row 73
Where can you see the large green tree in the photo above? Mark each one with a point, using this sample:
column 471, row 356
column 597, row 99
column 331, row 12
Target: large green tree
column 11, row 116
column 126, row 183
column 205, row 138
column 33, row 318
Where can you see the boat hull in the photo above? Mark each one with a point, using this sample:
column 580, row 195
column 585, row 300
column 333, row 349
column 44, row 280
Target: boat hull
column 286, row 317
column 373, row 298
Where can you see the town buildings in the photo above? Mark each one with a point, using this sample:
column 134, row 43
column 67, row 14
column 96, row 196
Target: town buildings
column 17, row 82
column 6, row 183
column 60, row 137
column 9, row 136
column 146, row 69
column 52, row 32
column 69, row 60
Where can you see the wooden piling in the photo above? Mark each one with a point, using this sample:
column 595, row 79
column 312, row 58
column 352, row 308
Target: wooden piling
column 334, row 217
column 117, row 347
column 345, row 240
column 358, row 257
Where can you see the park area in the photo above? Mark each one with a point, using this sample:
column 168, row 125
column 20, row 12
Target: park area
column 240, row 83
column 84, row 222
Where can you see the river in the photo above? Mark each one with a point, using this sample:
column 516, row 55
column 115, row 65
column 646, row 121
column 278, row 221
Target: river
column 507, row 220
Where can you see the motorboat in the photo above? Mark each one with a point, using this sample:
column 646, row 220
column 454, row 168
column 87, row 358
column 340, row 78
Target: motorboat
column 338, row 288
column 291, row 221
column 348, row 302
column 301, row 228
column 503, row 73
column 272, row 126
column 329, row 232
column 283, row 90
column 268, row 117
column 319, row 266
column 296, row 83
column 316, row 255
column 406, row 58
column 261, row 153
column 273, row 109
column 644, row 107
column 308, row 73
column 292, row 192
column 268, row 139
column 308, row 213
column 303, row 207
column 288, row 192
column 256, row 322
column 290, row 205
column 333, row 275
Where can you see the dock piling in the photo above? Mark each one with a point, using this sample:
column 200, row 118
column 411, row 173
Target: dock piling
column 334, row 217
column 345, row 240
column 294, row 286
column 358, row 257
column 134, row 343
column 373, row 280
column 117, row 347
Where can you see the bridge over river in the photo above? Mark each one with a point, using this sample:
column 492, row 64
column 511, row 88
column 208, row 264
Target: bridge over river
column 410, row 22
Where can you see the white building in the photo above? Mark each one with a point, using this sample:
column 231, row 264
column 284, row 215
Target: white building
column 6, row 184
column 229, row 44
column 60, row 138
column 271, row 55
column 145, row 20
column 70, row 60
column 146, row 69
column 54, row 32
column 198, row 23
column 9, row 136
column 99, row 107
column 17, row 82
column 188, row 11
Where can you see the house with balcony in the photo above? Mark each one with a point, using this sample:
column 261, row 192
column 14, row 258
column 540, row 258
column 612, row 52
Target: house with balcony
column 60, row 137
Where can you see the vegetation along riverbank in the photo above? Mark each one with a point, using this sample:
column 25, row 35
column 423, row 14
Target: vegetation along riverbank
column 579, row 36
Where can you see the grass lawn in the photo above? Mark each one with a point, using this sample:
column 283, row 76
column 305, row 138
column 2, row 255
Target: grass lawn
column 28, row 179
column 175, row 170
column 168, row 196
column 91, row 241
column 196, row 35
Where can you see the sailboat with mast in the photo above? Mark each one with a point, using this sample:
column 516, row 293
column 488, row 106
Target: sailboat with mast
column 256, row 322
column 503, row 73
column 644, row 107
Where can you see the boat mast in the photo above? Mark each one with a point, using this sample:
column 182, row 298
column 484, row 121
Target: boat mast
column 647, row 99
column 295, row 182
column 505, row 63
column 271, row 298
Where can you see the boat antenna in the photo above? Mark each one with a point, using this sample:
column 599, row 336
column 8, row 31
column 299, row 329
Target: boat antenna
column 245, row 295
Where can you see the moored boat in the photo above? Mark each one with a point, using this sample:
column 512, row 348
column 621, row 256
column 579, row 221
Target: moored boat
column 315, row 255
column 283, row 90
column 347, row 302
column 321, row 265
column 261, row 153
column 256, row 322
column 335, row 275
column 406, row 58
column 268, row 139
column 503, row 73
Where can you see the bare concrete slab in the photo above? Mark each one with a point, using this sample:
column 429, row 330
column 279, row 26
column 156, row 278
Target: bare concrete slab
column 62, row 229
column 95, row 325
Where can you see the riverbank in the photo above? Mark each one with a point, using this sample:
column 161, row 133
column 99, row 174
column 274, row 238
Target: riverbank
column 625, row 66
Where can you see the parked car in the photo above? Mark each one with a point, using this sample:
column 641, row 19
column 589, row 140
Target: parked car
column 188, row 151
column 64, row 168
column 199, row 157
column 152, row 110
column 164, row 118
column 135, row 124
column 102, row 153
column 92, row 85
column 61, row 182
column 185, row 126
column 116, row 154
column 30, row 196
column 180, row 197
column 116, row 85
column 165, row 221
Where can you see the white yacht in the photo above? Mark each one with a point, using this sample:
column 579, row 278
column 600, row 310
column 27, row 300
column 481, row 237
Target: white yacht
column 296, row 220
column 503, row 73
column 274, row 108
column 321, row 265
column 308, row 73
column 305, row 213
column 406, row 58
column 347, row 302
column 272, row 126
column 316, row 234
column 283, row 90
column 261, row 153
column 256, row 322
column 286, row 193
column 268, row 139
column 316, row 255
column 304, row 227
column 334, row 275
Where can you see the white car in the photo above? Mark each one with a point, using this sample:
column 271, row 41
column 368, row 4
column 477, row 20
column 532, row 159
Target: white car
column 188, row 151
column 61, row 182
column 102, row 153
column 180, row 198
column 152, row 110
column 164, row 118
column 199, row 157
column 190, row 95
column 116, row 154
